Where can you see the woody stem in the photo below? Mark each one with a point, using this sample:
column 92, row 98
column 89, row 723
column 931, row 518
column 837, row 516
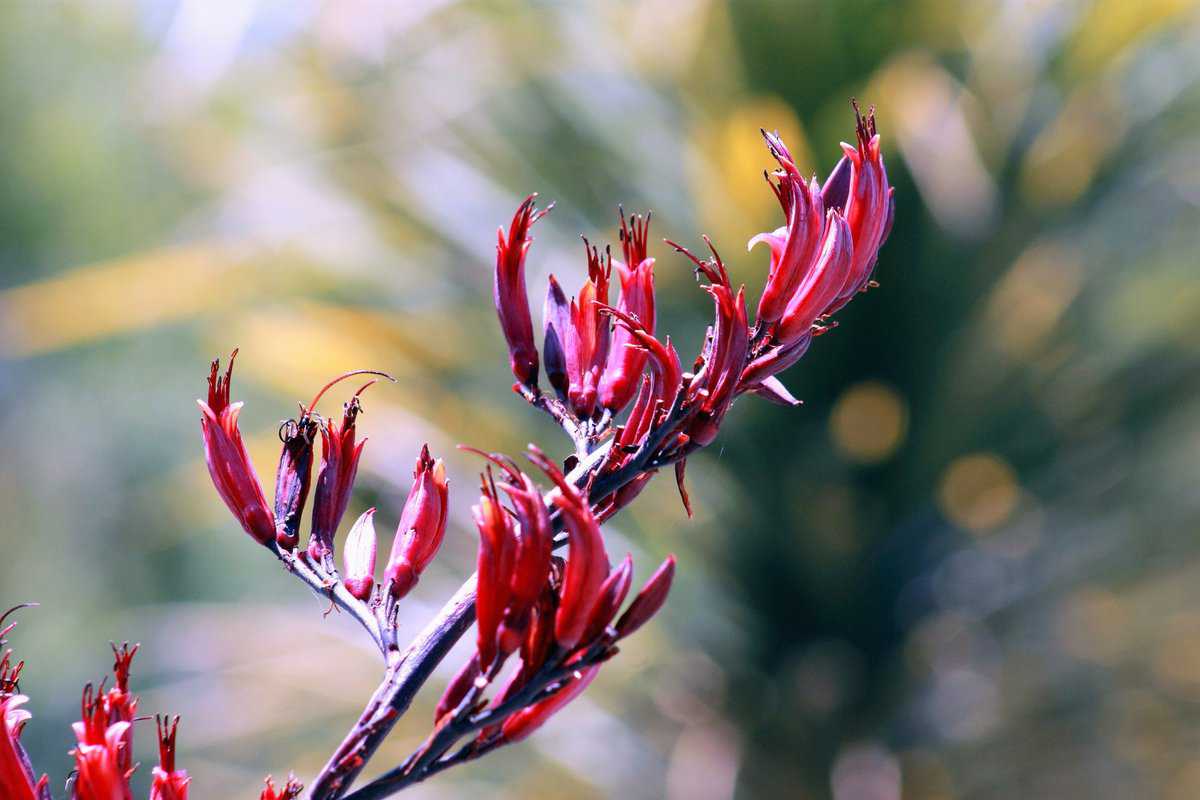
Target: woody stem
column 330, row 588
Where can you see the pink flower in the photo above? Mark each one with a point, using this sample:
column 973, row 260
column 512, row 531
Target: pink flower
column 512, row 302
column 626, row 361
column 229, row 464
column 168, row 783
column 422, row 525
column 822, row 257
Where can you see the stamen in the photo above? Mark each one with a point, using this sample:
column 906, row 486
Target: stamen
column 312, row 405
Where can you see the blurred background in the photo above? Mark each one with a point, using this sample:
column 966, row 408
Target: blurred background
column 967, row 567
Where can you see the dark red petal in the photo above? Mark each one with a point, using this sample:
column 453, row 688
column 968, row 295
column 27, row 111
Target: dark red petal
column 649, row 600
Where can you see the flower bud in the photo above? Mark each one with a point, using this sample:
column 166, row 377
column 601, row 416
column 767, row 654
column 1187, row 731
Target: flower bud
column 422, row 525
column 359, row 556
column 512, row 302
column 649, row 600
column 339, row 466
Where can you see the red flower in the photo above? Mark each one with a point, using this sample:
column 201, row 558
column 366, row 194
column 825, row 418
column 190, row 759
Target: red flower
column 636, row 273
column 168, row 783
column 290, row 791
column 578, row 336
column 869, row 206
column 649, row 600
column 587, row 561
column 228, row 462
column 422, row 525
column 822, row 257
column 16, row 777
column 723, row 357
column 794, row 247
column 359, row 556
column 497, row 553
column 339, row 466
column 512, row 302
column 99, row 757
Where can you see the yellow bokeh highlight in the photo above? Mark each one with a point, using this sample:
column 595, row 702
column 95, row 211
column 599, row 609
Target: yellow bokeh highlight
column 732, row 196
column 1031, row 298
column 1093, row 624
column 869, row 422
column 112, row 297
column 978, row 492
column 1112, row 25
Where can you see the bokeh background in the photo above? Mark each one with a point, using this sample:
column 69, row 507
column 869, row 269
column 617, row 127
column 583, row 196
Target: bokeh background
column 968, row 567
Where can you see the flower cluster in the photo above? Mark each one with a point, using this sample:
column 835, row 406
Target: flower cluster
column 422, row 523
column 597, row 356
column 557, row 616
column 103, row 752
column 620, row 391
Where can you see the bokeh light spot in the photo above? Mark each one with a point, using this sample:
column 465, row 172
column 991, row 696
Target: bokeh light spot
column 978, row 492
column 869, row 422
column 1092, row 625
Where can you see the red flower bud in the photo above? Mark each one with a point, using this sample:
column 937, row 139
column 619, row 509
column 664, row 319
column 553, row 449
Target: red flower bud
column 723, row 356
column 557, row 327
column 359, row 556
column 821, row 285
column 609, row 599
column 649, row 600
column 587, row 561
column 588, row 335
column 228, row 462
column 869, row 205
column 497, row 553
column 625, row 364
column 794, row 247
column 168, row 783
column 512, row 302
column 339, row 466
column 422, row 525
column 524, row 722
